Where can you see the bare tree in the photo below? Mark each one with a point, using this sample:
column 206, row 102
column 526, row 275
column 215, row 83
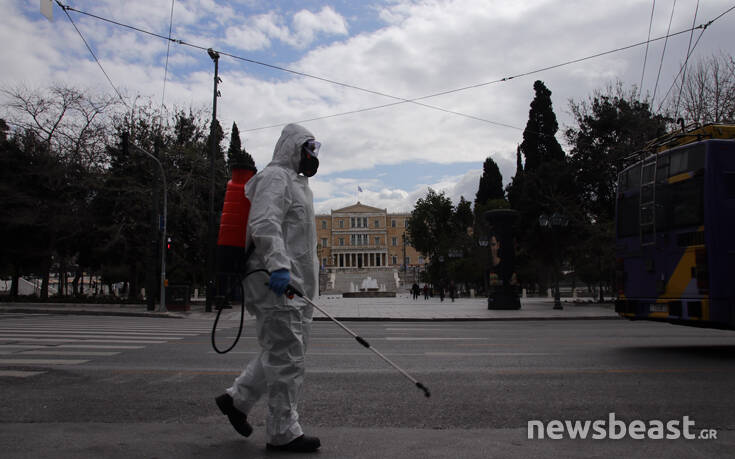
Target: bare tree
column 71, row 123
column 708, row 92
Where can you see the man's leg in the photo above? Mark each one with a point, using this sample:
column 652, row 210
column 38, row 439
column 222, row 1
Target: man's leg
column 283, row 338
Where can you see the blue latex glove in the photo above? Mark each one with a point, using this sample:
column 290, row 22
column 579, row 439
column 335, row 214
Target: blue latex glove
column 279, row 281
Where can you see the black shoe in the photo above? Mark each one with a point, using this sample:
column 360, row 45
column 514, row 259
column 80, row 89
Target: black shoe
column 302, row 444
column 237, row 418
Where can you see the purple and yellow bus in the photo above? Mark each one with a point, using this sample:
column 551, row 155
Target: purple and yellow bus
column 675, row 230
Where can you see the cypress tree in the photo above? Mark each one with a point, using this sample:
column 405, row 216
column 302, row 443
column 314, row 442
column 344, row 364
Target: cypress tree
column 491, row 183
column 539, row 144
column 236, row 155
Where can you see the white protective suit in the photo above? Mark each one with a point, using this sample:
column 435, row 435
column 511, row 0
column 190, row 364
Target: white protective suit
column 281, row 225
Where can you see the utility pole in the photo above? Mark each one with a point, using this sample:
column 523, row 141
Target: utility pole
column 150, row 287
column 212, row 151
column 126, row 146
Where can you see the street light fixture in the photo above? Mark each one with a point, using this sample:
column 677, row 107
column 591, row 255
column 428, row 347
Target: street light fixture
column 555, row 222
column 162, row 306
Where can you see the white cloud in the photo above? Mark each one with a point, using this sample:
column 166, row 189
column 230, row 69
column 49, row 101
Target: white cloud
column 257, row 31
column 423, row 47
column 307, row 25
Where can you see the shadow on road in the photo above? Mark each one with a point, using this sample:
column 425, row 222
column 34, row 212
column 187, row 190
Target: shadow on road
column 720, row 352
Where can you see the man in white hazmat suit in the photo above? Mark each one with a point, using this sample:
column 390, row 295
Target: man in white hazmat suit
column 281, row 227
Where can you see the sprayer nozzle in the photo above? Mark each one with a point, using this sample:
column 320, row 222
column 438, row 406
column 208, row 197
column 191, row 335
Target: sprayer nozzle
column 424, row 388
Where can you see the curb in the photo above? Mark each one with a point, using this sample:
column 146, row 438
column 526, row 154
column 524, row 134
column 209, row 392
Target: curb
column 169, row 315
column 82, row 312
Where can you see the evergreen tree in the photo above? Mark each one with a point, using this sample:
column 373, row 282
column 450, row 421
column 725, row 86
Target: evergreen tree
column 491, row 183
column 463, row 216
column 539, row 141
column 236, row 155
column 611, row 126
column 515, row 187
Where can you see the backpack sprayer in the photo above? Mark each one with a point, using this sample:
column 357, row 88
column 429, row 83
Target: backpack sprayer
column 231, row 254
column 232, row 258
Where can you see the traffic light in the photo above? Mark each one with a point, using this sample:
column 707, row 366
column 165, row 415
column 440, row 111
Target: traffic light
column 168, row 244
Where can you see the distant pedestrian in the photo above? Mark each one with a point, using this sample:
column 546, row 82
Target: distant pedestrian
column 441, row 293
column 426, row 292
column 452, row 290
column 415, row 290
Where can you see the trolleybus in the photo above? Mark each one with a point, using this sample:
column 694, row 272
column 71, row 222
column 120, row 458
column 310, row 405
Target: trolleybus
column 675, row 230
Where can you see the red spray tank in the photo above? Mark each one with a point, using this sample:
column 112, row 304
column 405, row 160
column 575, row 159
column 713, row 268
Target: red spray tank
column 233, row 223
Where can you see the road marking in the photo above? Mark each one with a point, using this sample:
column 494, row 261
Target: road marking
column 41, row 362
column 69, row 335
column 485, row 354
column 118, row 341
column 19, row 374
column 97, row 346
column 132, row 334
column 406, row 338
column 23, row 346
column 84, row 353
column 38, row 340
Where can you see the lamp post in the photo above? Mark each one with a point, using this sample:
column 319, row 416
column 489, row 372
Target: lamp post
column 214, row 55
column 162, row 306
column 555, row 222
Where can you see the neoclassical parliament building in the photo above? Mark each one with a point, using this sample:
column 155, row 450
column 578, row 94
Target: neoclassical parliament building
column 365, row 238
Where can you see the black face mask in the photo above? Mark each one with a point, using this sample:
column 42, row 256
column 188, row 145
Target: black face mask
column 309, row 163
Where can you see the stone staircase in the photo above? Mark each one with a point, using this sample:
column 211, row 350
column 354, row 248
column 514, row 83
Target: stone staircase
column 344, row 281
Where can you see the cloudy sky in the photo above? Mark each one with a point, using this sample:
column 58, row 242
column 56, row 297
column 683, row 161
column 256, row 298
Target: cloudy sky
column 382, row 53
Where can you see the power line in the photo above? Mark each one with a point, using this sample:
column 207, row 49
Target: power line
column 686, row 61
column 400, row 99
column 673, row 83
column 504, row 79
column 168, row 47
column 645, row 56
column 663, row 53
column 92, row 52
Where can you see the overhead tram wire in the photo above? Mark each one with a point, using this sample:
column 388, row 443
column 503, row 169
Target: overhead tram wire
column 673, row 83
column 303, row 74
column 663, row 52
column 168, row 48
column 401, row 100
column 703, row 27
column 686, row 62
column 645, row 56
column 64, row 8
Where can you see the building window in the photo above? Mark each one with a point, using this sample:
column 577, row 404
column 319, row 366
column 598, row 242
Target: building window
column 341, row 223
column 392, row 223
column 394, row 241
column 324, row 224
column 407, row 261
column 377, row 241
column 377, row 223
column 324, row 242
column 364, row 222
column 421, row 260
column 394, row 259
column 341, row 241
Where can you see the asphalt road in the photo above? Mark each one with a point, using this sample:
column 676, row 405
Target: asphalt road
column 488, row 380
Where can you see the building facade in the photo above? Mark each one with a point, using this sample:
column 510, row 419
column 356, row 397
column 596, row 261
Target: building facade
column 364, row 237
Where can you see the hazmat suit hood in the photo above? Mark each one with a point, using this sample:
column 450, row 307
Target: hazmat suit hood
column 287, row 153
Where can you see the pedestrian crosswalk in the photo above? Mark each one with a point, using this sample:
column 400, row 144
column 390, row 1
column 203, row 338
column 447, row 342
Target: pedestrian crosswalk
column 31, row 344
